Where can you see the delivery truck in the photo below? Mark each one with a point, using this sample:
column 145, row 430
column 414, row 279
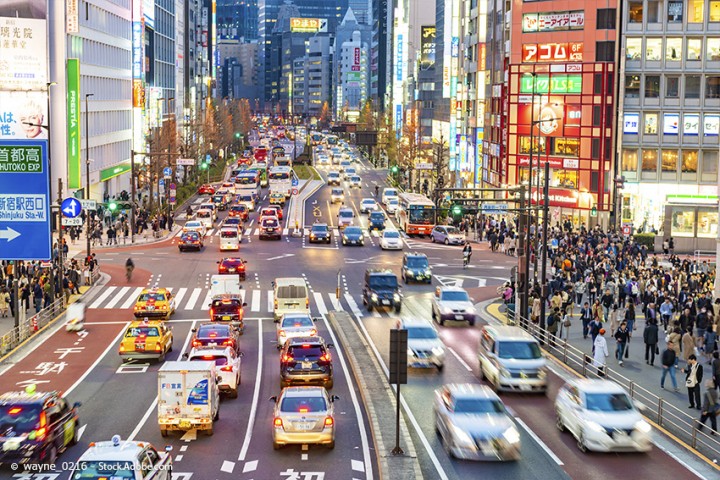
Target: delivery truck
column 188, row 396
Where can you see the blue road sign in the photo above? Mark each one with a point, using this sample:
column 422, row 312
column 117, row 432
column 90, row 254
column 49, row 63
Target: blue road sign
column 167, row 171
column 161, row 182
column 71, row 207
column 24, row 201
column 208, row 158
column 294, row 182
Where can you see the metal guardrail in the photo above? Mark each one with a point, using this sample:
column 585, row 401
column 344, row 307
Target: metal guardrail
column 708, row 253
column 31, row 325
column 676, row 421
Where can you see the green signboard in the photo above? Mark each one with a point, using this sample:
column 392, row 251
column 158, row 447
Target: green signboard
column 110, row 172
column 559, row 83
column 21, row 159
column 73, row 123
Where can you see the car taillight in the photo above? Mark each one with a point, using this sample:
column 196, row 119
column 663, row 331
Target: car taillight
column 307, row 303
column 227, row 368
column 122, row 348
column 227, row 343
column 329, row 421
column 196, row 343
column 278, row 422
column 40, row 433
column 240, row 311
column 222, row 269
column 275, row 303
column 212, row 312
column 158, row 347
column 287, row 359
column 324, row 358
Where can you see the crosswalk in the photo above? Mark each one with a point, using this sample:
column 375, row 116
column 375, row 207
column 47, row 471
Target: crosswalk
column 259, row 301
column 255, row 232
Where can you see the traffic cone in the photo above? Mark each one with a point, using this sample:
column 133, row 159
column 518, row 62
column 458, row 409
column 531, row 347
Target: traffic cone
column 34, row 324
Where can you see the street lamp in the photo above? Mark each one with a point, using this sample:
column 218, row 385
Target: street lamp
column 87, row 166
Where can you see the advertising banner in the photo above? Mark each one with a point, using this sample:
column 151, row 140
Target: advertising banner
column 691, row 124
column 73, row 123
column 552, row 21
column 552, row 52
column 23, row 43
column 17, row 110
column 556, row 83
column 427, row 46
column 553, row 118
column 711, row 125
column 631, row 123
column 671, row 123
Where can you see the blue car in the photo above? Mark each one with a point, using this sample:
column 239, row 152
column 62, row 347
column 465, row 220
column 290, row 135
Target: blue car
column 377, row 221
column 353, row 236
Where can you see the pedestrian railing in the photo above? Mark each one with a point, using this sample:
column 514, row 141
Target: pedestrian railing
column 31, row 325
column 676, row 421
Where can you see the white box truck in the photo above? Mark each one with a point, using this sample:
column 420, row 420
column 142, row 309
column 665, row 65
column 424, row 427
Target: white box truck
column 188, row 396
column 225, row 285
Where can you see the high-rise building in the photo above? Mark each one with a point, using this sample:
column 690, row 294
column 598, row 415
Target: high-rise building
column 380, row 54
column 362, row 10
column 351, row 77
column 237, row 20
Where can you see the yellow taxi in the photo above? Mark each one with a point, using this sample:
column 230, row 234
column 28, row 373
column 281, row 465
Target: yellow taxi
column 146, row 339
column 155, row 303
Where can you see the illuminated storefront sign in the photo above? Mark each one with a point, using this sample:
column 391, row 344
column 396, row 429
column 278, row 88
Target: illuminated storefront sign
column 308, row 25
column 691, row 124
column 711, row 125
column 631, row 123
column 553, row 118
column 479, row 135
column 553, row 83
column 23, row 54
column 427, row 46
column 671, row 123
column 557, row 197
column 73, row 123
column 552, row 21
column 552, row 52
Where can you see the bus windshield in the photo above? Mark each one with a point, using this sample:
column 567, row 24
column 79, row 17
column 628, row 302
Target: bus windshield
column 421, row 215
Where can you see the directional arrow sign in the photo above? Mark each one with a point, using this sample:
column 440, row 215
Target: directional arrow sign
column 9, row 234
column 71, row 207
column 167, row 172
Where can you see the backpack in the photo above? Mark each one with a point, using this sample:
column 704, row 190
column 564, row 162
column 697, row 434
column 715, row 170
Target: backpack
column 551, row 320
column 567, row 265
column 634, row 289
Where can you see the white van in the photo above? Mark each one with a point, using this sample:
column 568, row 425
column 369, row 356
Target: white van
column 229, row 238
column 205, row 216
column 389, row 193
column 290, row 296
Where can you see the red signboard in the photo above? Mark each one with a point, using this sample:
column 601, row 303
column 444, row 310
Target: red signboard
column 552, row 117
column 357, row 56
column 558, row 197
column 539, row 161
column 552, row 52
column 354, row 68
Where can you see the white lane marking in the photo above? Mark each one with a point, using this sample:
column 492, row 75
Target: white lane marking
column 81, row 430
column 255, row 303
column 285, row 232
column 111, row 346
column 178, row 458
column 133, row 298
column 459, row 358
column 320, row 303
column 250, row 466
column 193, row 298
column 153, row 405
column 101, row 298
column 303, row 456
column 271, row 301
column 183, row 448
column 335, row 302
column 256, row 396
column 205, row 305
column 179, row 296
column 353, row 306
column 353, row 396
column 357, row 465
column 542, row 444
column 227, row 466
column 117, row 298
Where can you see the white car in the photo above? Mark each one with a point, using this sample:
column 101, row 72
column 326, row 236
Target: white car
column 345, row 217
column 453, row 303
column 474, row 423
column 425, row 349
column 602, row 417
column 392, row 205
column 337, row 195
column 355, row 181
column 368, row 205
column 206, row 217
column 210, row 206
column 124, row 459
column 349, row 172
column 228, row 365
column 293, row 325
column 194, row 226
column 391, row 240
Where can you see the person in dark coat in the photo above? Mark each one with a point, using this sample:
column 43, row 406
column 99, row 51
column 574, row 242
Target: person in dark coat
column 650, row 337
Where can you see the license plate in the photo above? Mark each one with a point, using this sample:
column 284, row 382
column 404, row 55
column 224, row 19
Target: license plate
column 525, row 388
column 139, row 347
column 386, row 302
column 306, row 365
column 231, row 270
column 459, row 317
column 185, row 424
column 305, row 425
column 487, row 448
column 226, row 317
column 150, row 307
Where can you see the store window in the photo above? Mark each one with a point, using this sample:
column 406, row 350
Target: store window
column 694, row 49
column 652, row 86
column 672, row 87
column 692, row 86
column 683, row 222
column 564, row 179
column 714, row 11
column 566, row 146
column 713, row 49
column 653, row 49
column 689, row 161
column 673, row 49
column 653, row 12
column 635, row 12
column 695, row 11
column 649, row 160
column 632, row 86
column 675, row 11
column 525, row 145
column 650, row 123
column 712, row 86
column 669, row 160
column 707, row 223
column 629, row 161
column 633, row 48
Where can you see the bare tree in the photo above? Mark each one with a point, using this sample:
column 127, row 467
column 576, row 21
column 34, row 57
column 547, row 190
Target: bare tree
column 409, row 145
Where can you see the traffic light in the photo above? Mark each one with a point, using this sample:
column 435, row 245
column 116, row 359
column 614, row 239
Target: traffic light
column 593, row 211
column 237, row 134
column 457, row 210
column 112, row 206
column 203, row 166
column 394, row 169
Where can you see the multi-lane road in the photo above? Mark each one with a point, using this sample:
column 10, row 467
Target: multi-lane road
column 120, row 398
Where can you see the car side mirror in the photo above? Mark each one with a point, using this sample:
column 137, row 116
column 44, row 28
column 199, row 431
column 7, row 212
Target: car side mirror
column 330, row 345
column 244, row 261
column 241, row 354
column 640, row 406
column 472, row 300
column 316, row 319
column 185, row 356
column 218, row 262
column 77, row 404
column 273, row 398
column 272, row 284
column 244, row 304
column 334, row 397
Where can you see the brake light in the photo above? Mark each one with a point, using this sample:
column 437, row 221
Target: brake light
column 307, row 303
column 240, row 311
column 212, row 312
column 213, row 334
column 329, row 421
column 325, row 357
column 278, row 422
column 287, row 358
column 122, row 348
column 15, row 410
column 227, row 342
column 40, row 433
column 196, row 343
column 158, row 347
column 227, row 368
column 275, row 303
column 303, row 410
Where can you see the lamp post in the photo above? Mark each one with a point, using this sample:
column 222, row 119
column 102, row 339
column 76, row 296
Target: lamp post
column 87, row 166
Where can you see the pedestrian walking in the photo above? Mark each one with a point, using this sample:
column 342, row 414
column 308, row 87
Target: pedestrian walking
column 710, row 408
column 709, row 343
column 553, row 324
column 693, row 377
column 621, row 337
column 668, row 361
column 600, row 353
column 688, row 345
column 650, row 337
column 586, row 318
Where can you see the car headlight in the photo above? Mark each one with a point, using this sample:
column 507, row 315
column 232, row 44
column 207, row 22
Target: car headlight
column 504, row 372
column 437, row 351
column 511, row 435
column 462, row 438
column 409, row 272
column 642, row 426
column 594, row 426
column 542, row 373
column 446, row 310
column 427, row 271
column 396, row 297
column 374, row 297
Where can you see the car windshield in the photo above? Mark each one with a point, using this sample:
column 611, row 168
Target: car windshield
column 608, row 402
column 355, row 178
column 346, row 213
column 231, row 262
column 292, row 322
column 319, row 228
column 377, row 216
column 353, row 231
column 337, row 191
column 417, row 262
column 421, row 215
column 455, row 296
column 383, row 281
column 190, row 236
column 154, row 297
column 218, row 198
column 204, row 214
column 425, row 333
column 142, row 332
column 219, row 360
column 393, row 201
column 303, row 404
column 232, row 221
column 246, row 198
column 450, row 230
column 97, row 470
column 333, row 174
column 238, row 208
column 18, row 419
column 391, row 234
column 368, row 203
column 519, row 350
column 478, row 406
column 193, row 224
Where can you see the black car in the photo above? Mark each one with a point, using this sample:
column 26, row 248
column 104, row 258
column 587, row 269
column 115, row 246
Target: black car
column 270, row 228
column 35, row 427
column 377, row 221
column 353, row 236
column 216, row 335
column 228, row 309
column 320, row 233
column 381, row 289
column 306, row 361
column 190, row 241
column 416, row 268
column 232, row 222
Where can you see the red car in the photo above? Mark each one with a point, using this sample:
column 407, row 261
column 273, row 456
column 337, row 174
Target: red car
column 206, row 189
column 244, row 161
column 240, row 211
column 231, row 266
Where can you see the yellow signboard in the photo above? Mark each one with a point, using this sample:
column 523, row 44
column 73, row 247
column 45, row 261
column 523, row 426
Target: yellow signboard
column 307, row 25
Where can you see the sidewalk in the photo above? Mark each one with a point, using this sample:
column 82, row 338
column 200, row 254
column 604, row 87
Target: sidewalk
column 79, row 248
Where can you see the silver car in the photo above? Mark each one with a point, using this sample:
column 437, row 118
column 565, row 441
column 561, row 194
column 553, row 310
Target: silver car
column 474, row 424
column 303, row 415
column 293, row 325
column 447, row 234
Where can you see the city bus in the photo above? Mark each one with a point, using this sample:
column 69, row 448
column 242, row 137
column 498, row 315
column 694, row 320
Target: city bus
column 262, row 169
column 248, row 183
column 280, row 180
column 415, row 214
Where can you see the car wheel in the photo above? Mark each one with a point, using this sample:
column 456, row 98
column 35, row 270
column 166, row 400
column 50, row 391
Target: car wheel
column 558, row 422
column 51, row 456
column 369, row 307
column 397, row 308
column 447, row 445
column 440, row 367
column 432, row 238
column 209, row 432
column 217, row 415
column 170, row 348
column 233, row 393
column 447, row 242
column 163, row 432
column 330, row 445
column 161, row 358
column 471, row 322
column 581, row 443
column 329, row 385
column 433, row 315
column 276, row 446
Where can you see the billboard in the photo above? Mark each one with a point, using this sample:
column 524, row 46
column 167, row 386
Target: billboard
column 19, row 108
column 552, row 52
column 23, row 43
column 552, row 118
column 73, row 123
column 427, row 46
column 560, row 83
column 553, row 21
column 631, row 123
column 308, row 25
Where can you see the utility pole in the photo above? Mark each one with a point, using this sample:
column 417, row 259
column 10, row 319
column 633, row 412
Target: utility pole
column 87, row 167
column 543, row 266
column 61, row 263
column 522, row 288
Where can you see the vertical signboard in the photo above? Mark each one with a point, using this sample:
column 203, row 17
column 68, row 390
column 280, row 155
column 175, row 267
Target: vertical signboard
column 23, row 43
column 72, row 22
column 24, row 200
column 138, row 73
column 427, row 46
column 73, row 124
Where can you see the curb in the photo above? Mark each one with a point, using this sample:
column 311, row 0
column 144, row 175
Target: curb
column 378, row 396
